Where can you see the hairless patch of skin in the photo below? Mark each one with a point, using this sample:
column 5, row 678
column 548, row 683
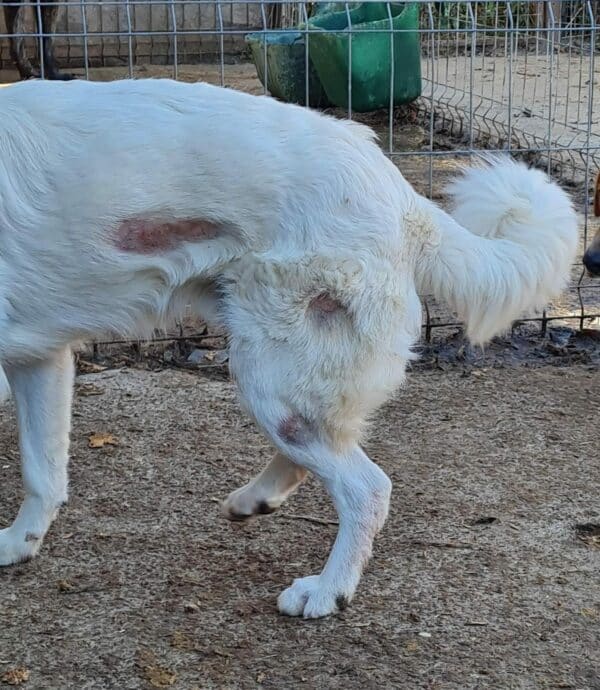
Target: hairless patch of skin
column 324, row 306
column 325, row 303
column 295, row 430
column 151, row 236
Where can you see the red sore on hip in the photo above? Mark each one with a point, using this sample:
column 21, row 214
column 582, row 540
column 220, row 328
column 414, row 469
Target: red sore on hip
column 149, row 236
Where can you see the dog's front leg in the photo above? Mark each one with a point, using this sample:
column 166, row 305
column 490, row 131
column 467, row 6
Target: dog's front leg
column 43, row 392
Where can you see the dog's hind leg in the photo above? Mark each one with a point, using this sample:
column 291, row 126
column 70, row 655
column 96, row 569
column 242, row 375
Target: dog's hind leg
column 267, row 491
column 359, row 489
column 316, row 345
column 360, row 492
column 43, row 392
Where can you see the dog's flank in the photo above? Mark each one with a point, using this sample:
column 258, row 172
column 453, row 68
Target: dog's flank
column 46, row 19
column 122, row 202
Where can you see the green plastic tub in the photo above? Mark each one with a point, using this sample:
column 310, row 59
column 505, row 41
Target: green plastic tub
column 367, row 55
column 286, row 67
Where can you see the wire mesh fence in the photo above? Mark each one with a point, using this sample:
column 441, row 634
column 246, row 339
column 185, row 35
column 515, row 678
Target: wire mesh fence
column 438, row 81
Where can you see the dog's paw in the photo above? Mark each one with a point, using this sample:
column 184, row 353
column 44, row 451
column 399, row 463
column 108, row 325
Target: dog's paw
column 243, row 504
column 310, row 598
column 16, row 547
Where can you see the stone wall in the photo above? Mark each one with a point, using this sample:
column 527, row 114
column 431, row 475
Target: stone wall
column 108, row 28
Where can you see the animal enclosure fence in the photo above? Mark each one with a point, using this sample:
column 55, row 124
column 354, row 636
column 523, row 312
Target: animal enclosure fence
column 498, row 75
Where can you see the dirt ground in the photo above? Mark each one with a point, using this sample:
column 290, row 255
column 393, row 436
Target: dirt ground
column 480, row 579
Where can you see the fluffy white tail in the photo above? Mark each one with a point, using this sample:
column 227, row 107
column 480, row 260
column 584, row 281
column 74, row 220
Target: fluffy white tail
column 506, row 249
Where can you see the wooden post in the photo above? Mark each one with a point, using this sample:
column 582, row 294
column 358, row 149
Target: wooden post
column 544, row 15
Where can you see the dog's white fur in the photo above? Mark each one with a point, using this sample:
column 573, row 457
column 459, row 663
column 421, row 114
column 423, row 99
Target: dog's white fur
column 310, row 206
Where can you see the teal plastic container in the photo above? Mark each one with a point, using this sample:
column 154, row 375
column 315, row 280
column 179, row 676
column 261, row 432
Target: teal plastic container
column 365, row 53
column 283, row 73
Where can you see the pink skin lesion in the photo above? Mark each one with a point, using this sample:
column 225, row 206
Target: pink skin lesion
column 324, row 306
column 294, row 430
column 152, row 236
column 325, row 303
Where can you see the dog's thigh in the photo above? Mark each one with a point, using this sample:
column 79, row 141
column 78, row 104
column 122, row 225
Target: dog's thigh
column 359, row 489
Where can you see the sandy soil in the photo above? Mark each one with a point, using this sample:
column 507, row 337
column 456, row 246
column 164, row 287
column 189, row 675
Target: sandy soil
column 479, row 580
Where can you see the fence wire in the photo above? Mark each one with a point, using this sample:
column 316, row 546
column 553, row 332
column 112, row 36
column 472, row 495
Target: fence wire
column 498, row 75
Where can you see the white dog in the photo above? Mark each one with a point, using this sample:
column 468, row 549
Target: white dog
column 120, row 202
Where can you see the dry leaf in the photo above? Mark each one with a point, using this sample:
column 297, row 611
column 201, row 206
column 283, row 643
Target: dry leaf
column 157, row 676
column 65, row 586
column 260, row 678
column 101, row 440
column 411, row 646
column 180, row 640
column 89, row 367
column 87, row 389
column 160, row 677
column 15, row 676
